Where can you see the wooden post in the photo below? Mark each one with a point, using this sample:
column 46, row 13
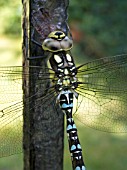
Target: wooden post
column 43, row 126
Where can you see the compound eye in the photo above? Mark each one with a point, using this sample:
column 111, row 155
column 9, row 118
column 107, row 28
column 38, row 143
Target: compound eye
column 51, row 45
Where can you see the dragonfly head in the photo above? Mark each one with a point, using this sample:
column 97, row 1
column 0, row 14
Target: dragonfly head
column 57, row 41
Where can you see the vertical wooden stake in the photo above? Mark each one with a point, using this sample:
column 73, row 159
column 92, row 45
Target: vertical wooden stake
column 43, row 139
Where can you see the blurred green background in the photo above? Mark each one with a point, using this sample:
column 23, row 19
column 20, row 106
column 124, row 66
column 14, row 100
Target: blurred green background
column 99, row 29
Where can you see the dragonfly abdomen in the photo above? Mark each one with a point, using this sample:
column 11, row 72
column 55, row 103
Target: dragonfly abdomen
column 66, row 104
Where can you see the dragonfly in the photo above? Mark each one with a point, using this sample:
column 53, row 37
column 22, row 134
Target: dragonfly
column 94, row 93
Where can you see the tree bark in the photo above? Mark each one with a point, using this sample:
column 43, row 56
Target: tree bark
column 43, row 130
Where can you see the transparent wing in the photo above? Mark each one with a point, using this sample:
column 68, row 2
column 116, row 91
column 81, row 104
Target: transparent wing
column 103, row 94
column 11, row 103
column 11, row 81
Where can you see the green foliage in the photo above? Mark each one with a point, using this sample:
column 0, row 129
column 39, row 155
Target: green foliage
column 10, row 12
column 103, row 21
column 4, row 3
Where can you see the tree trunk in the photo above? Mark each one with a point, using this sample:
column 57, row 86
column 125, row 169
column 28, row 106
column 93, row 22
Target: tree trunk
column 43, row 139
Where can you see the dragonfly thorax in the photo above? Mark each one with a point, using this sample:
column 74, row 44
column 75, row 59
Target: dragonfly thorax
column 66, row 82
column 62, row 64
